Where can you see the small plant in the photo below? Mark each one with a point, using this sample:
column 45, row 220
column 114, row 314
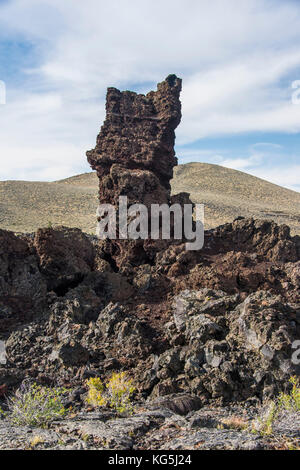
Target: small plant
column 265, row 427
column 235, row 422
column 36, row 441
column 50, row 224
column 285, row 402
column 85, row 437
column 116, row 393
column 95, row 393
column 35, row 406
column 291, row 401
column 292, row 446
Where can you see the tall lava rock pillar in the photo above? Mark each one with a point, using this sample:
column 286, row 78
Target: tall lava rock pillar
column 134, row 156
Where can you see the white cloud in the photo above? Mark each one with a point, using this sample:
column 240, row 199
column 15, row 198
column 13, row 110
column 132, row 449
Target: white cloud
column 241, row 97
column 187, row 156
column 40, row 163
column 233, row 61
column 287, row 177
column 267, row 161
column 241, row 163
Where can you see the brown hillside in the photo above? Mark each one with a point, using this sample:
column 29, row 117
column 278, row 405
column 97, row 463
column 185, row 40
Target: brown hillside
column 226, row 193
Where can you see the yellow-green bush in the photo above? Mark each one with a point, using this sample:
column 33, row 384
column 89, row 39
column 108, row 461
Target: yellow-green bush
column 284, row 402
column 116, row 393
column 95, row 393
column 291, row 401
column 36, row 406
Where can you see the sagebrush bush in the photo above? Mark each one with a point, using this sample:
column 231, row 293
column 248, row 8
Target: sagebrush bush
column 286, row 402
column 291, row 401
column 34, row 405
column 95, row 392
column 116, row 393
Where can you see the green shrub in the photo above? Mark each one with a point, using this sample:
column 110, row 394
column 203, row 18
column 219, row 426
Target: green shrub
column 284, row 402
column 265, row 426
column 35, row 406
column 95, row 393
column 291, row 401
column 116, row 393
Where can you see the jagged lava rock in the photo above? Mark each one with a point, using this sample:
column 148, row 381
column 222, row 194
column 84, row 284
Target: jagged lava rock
column 65, row 255
column 137, row 136
column 134, row 157
column 22, row 287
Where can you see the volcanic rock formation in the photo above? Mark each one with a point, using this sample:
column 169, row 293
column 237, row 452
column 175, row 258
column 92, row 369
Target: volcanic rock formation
column 218, row 323
column 134, row 157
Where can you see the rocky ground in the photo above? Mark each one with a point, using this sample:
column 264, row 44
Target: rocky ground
column 66, row 315
column 164, row 424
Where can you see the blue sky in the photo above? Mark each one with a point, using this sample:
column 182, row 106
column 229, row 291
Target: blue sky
column 237, row 63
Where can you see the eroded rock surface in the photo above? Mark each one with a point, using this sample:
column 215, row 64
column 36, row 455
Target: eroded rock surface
column 228, row 340
column 137, row 136
column 134, row 157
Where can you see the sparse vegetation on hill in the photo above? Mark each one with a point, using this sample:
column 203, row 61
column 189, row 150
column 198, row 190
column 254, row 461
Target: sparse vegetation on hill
column 226, row 193
column 229, row 193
